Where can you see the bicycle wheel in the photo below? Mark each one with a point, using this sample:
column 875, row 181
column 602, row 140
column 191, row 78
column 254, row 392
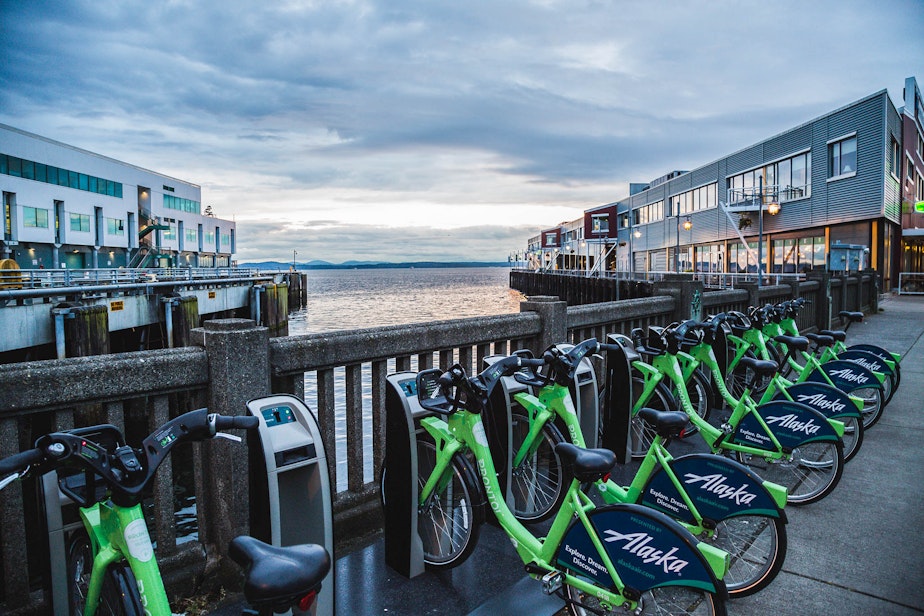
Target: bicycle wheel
column 738, row 379
column 661, row 601
column 809, row 472
column 757, row 547
column 640, row 434
column 119, row 594
column 539, row 483
column 872, row 404
column 853, row 436
column 448, row 522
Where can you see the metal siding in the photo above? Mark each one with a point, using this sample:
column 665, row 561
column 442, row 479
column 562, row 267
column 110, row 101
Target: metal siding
column 892, row 198
column 705, row 175
column 859, row 197
column 789, row 143
column 743, row 160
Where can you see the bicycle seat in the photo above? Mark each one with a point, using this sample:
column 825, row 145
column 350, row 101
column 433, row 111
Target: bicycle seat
column 820, row 340
column 762, row 367
column 586, row 464
column 279, row 577
column 668, row 424
column 837, row 334
column 853, row 317
column 794, row 342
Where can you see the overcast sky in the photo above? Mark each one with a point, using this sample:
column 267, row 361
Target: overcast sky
column 399, row 130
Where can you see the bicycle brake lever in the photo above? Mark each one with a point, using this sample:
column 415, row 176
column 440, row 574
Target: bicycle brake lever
column 230, row 437
column 12, row 478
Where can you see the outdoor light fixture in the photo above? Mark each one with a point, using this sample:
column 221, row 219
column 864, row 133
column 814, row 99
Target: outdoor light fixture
column 687, row 224
column 773, row 208
column 637, row 234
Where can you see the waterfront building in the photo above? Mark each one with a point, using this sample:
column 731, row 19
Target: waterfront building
column 67, row 208
column 844, row 191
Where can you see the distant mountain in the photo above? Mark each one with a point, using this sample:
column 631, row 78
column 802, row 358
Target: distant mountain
column 316, row 264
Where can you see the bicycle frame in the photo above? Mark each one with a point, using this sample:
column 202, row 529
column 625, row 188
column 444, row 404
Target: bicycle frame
column 116, row 533
column 765, row 497
column 564, row 549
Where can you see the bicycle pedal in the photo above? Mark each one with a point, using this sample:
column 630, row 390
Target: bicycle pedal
column 551, row 582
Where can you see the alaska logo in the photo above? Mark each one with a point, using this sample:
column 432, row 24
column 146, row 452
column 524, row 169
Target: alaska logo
column 849, row 375
column 637, row 544
column 716, row 484
column 791, row 422
column 820, row 401
column 872, row 365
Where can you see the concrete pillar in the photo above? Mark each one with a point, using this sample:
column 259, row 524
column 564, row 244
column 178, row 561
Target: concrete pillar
column 753, row 290
column 823, row 300
column 238, row 359
column 554, row 316
column 687, row 294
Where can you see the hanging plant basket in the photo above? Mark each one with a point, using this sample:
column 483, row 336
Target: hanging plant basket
column 744, row 222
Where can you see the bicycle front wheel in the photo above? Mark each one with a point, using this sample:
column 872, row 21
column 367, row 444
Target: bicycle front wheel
column 757, row 547
column 661, row 601
column 539, row 482
column 449, row 521
column 810, row 472
column 119, row 594
column 872, row 404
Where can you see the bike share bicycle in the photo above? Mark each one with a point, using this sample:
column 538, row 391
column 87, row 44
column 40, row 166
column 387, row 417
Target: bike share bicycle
column 114, row 569
column 602, row 560
column 718, row 500
column 785, row 442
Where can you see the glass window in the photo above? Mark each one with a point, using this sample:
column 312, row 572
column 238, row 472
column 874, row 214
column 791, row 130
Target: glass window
column 843, row 157
column 28, row 169
column 34, row 217
column 599, row 223
column 115, row 226
column 15, row 166
column 80, row 222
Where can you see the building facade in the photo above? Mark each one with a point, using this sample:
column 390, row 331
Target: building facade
column 846, row 183
column 67, row 208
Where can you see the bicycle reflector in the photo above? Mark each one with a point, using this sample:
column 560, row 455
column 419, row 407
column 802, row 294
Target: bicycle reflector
column 305, row 603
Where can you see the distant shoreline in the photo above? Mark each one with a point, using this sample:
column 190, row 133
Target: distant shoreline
column 367, row 265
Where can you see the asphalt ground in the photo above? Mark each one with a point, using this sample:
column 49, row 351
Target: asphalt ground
column 859, row 551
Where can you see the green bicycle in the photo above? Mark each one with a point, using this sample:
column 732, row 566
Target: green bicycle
column 112, row 568
column 717, row 499
column 600, row 560
column 785, row 442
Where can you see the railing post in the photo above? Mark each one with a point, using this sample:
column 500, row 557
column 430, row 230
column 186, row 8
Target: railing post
column 553, row 314
column 238, row 359
column 687, row 294
column 823, row 301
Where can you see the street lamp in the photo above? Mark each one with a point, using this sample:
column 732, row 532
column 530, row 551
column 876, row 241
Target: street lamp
column 773, row 208
column 294, row 252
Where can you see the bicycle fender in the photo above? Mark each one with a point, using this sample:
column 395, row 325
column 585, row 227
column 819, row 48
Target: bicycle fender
column 845, row 375
column 718, row 487
column 791, row 423
column 868, row 360
column 877, row 350
column 827, row 400
column 646, row 547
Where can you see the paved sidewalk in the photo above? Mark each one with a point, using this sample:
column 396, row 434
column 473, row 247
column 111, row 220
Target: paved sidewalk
column 861, row 549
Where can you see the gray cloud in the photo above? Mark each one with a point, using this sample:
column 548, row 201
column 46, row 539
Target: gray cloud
column 306, row 109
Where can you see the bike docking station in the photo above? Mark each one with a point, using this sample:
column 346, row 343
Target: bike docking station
column 400, row 492
column 616, row 408
column 289, row 477
column 62, row 518
column 584, row 394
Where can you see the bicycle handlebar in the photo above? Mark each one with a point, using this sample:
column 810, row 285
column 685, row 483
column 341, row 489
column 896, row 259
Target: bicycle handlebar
column 126, row 471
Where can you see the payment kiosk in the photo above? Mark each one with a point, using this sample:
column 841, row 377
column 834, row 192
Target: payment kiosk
column 290, row 486
column 403, row 548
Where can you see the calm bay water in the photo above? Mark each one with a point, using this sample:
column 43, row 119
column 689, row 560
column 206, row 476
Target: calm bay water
column 354, row 299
